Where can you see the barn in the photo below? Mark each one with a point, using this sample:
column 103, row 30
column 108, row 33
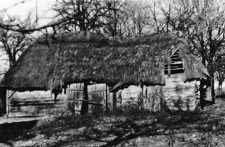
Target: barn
column 55, row 62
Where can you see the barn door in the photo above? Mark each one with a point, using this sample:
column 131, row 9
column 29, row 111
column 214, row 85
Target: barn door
column 98, row 97
column 75, row 97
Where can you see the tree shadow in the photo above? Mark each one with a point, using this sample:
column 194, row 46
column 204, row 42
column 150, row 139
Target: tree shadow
column 221, row 96
column 163, row 125
column 10, row 131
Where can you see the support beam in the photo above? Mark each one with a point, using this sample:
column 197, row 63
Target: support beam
column 8, row 102
column 169, row 70
column 2, row 101
column 106, row 98
column 84, row 107
column 114, row 102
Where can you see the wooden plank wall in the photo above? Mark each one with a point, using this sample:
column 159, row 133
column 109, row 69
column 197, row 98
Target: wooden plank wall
column 37, row 103
column 176, row 94
column 180, row 95
column 40, row 103
column 153, row 96
column 131, row 94
column 96, row 96
column 74, row 97
column 150, row 97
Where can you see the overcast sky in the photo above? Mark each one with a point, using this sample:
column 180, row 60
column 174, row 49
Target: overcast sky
column 15, row 8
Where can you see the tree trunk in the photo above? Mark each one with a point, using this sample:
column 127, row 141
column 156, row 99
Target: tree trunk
column 202, row 83
column 115, row 20
column 202, row 94
column 212, row 90
column 219, row 90
column 84, row 107
column 12, row 60
column 220, row 85
column 211, row 80
column 114, row 102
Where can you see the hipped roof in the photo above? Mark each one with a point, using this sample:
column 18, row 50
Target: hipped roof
column 84, row 57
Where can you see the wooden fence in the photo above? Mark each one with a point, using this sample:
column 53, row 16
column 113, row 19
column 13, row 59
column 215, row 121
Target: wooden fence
column 34, row 105
column 97, row 96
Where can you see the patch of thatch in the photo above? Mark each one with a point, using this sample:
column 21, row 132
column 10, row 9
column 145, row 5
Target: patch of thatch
column 103, row 40
column 75, row 37
column 194, row 69
column 69, row 60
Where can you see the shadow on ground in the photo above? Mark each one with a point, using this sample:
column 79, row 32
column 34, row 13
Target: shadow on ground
column 10, row 131
column 182, row 122
column 178, row 128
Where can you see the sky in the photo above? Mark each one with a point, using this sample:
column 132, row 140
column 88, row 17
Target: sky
column 16, row 8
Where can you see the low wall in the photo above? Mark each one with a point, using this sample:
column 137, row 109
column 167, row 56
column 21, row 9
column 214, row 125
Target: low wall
column 179, row 95
column 37, row 103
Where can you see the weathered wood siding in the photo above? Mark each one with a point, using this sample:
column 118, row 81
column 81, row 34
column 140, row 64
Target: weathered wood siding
column 40, row 103
column 74, row 97
column 148, row 96
column 176, row 94
column 180, row 95
column 131, row 94
column 97, row 95
column 37, row 103
column 153, row 96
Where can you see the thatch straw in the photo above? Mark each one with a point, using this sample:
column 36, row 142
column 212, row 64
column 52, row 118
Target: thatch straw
column 49, row 65
column 194, row 69
column 103, row 40
column 75, row 37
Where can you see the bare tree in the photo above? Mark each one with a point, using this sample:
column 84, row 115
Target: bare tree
column 203, row 26
column 220, row 73
column 84, row 15
column 14, row 43
column 138, row 16
column 115, row 18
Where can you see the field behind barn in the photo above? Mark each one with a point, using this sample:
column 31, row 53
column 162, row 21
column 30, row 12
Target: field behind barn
column 128, row 127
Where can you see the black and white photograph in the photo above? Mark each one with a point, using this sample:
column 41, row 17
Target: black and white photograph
column 112, row 73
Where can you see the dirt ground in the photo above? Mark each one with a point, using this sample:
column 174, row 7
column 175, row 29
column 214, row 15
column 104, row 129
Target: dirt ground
column 5, row 119
column 174, row 129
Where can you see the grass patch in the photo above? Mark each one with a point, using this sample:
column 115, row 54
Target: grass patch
column 129, row 124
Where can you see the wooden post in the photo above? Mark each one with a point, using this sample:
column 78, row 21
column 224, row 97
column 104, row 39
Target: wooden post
column 114, row 102
column 84, row 107
column 7, row 103
column 202, row 93
column 212, row 90
column 169, row 71
column 106, row 99
column 2, row 101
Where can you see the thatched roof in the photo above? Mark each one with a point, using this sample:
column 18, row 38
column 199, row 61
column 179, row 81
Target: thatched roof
column 86, row 57
column 194, row 69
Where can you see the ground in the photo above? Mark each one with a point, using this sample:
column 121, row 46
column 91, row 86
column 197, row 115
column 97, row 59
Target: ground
column 126, row 128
